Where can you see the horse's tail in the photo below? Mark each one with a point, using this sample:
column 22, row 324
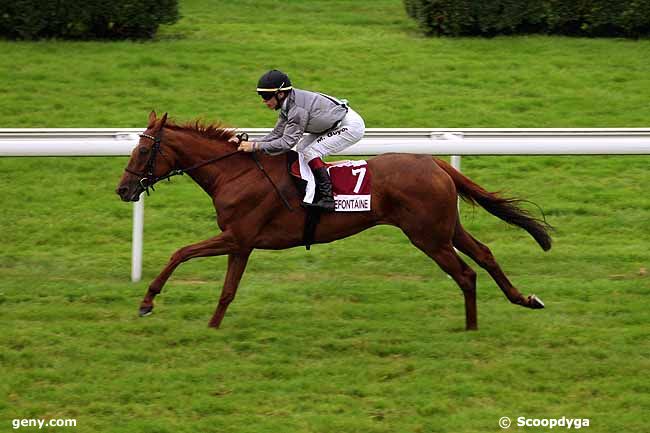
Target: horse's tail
column 506, row 209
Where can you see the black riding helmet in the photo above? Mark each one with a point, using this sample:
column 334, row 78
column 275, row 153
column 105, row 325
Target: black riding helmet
column 273, row 82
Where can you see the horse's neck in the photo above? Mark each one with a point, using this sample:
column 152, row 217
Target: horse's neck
column 193, row 151
column 235, row 183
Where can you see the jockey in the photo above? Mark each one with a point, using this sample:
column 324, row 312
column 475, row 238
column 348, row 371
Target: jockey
column 330, row 123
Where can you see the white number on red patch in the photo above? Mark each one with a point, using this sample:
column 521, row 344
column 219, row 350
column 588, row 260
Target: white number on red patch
column 360, row 173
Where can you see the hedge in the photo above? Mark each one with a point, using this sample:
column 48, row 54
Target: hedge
column 628, row 18
column 85, row 19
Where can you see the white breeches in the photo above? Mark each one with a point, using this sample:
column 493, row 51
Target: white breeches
column 349, row 131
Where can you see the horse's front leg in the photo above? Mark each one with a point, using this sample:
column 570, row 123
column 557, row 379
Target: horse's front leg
column 236, row 266
column 216, row 246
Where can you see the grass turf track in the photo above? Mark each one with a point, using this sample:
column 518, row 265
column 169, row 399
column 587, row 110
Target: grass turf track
column 363, row 335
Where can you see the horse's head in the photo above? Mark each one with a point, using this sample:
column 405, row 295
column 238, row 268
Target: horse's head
column 150, row 160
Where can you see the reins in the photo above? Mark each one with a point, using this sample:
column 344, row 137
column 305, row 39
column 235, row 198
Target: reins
column 182, row 171
column 277, row 190
column 146, row 183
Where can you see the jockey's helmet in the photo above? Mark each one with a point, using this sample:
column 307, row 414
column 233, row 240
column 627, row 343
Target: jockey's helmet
column 272, row 82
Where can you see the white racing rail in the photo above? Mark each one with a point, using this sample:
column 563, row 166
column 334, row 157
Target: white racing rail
column 561, row 141
column 473, row 141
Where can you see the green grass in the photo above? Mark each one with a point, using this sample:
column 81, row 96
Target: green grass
column 362, row 335
column 367, row 51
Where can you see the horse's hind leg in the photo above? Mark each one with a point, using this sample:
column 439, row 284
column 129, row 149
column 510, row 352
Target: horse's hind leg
column 464, row 276
column 482, row 255
column 449, row 261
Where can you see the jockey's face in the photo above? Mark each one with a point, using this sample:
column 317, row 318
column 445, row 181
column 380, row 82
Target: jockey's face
column 273, row 102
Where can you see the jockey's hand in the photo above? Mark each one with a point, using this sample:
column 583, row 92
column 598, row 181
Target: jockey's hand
column 246, row 146
column 234, row 140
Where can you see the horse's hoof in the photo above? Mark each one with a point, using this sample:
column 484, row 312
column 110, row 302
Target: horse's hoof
column 146, row 311
column 535, row 302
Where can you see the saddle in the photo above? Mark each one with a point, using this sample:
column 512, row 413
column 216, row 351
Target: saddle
column 350, row 182
column 350, row 185
column 293, row 168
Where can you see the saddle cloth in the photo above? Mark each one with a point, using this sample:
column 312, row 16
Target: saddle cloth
column 351, row 182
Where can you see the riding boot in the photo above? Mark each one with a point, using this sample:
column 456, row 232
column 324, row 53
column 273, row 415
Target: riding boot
column 324, row 187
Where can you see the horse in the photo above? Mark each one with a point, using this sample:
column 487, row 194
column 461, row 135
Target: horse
column 416, row 193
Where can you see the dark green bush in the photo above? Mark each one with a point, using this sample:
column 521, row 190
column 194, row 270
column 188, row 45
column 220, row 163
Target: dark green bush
column 85, row 19
column 629, row 18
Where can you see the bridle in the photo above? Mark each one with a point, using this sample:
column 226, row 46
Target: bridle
column 148, row 178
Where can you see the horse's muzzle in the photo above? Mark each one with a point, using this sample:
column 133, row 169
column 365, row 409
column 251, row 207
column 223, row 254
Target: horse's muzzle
column 129, row 193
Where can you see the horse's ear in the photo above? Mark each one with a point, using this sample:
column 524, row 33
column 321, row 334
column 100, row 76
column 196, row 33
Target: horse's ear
column 152, row 118
column 164, row 119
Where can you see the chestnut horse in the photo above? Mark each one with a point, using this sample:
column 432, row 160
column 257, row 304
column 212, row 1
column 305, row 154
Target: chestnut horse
column 416, row 193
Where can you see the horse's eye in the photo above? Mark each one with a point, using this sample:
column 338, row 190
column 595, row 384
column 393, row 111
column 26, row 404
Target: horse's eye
column 144, row 150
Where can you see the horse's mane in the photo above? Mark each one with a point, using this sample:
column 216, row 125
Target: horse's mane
column 214, row 131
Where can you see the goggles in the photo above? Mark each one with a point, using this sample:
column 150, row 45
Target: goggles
column 266, row 95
